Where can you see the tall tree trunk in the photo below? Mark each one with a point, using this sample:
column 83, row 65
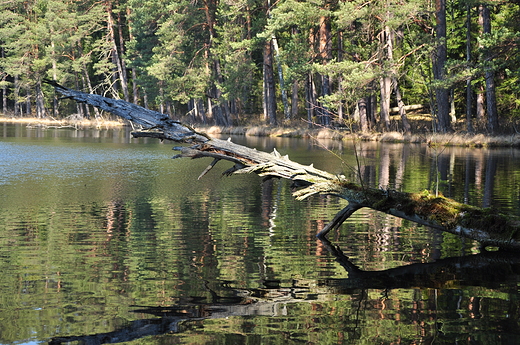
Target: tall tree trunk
column 326, row 116
column 265, row 107
column 481, row 108
column 385, row 89
column 439, row 73
column 371, row 110
column 294, row 99
column 4, row 85
column 121, row 55
column 135, row 89
column 210, row 109
column 28, row 95
column 325, row 49
column 161, row 97
column 87, row 110
column 269, row 90
column 115, row 53
column 79, row 106
column 340, row 78
column 39, row 101
column 385, row 82
column 310, row 99
column 387, row 38
column 55, row 111
column 400, row 103
column 202, row 111
column 285, row 102
column 86, row 79
column 469, row 91
column 145, row 98
column 222, row 107
column 16, row 96
column 402, row 111
column 222, row 103
column 363, row 114
column 4, row 95
column 491, row 102
column 453, row 116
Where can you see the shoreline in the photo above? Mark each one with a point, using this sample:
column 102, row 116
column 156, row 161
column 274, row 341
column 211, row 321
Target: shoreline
column 62, row 123
column 431, row 139
column 477, row 140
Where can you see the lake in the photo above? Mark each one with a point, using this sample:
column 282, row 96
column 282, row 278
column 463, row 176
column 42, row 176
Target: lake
column 105, row 239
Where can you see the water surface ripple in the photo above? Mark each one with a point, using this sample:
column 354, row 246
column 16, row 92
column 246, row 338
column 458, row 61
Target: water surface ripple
column 104, row 239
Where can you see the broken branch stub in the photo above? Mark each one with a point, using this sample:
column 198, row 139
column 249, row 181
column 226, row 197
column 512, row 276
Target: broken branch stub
column 483, row 225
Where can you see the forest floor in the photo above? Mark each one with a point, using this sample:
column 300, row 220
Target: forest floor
column 421, row 136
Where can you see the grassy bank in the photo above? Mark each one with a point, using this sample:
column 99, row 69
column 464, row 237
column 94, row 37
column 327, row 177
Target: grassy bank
column 432, row 139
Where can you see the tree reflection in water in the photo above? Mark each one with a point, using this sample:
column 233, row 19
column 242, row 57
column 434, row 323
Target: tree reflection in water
column 487, row 269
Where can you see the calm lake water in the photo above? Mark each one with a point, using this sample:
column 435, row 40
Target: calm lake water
column 105, row 239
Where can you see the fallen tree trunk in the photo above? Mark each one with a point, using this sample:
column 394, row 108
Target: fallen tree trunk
column 483, row 225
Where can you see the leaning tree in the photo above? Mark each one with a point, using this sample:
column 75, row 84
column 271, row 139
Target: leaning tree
column 484, row 225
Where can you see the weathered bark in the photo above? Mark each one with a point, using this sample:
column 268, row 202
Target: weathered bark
column 480, row 224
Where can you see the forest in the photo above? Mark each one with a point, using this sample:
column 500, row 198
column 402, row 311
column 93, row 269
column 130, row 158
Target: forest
column 359, row 65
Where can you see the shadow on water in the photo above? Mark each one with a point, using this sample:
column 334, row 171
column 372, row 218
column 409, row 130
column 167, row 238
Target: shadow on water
column 486, row 269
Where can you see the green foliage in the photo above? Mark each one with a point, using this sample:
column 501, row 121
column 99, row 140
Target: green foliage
column 177, row 52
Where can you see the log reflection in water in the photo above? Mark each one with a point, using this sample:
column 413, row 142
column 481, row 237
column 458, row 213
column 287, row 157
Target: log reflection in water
column 488, row 269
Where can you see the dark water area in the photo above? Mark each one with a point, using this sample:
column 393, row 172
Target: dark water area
column 105, row 239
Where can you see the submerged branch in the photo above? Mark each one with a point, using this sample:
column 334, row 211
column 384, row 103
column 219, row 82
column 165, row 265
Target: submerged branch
column 483, row 225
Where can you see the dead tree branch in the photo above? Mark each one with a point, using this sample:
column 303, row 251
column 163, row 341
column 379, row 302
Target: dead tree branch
column 483, row 225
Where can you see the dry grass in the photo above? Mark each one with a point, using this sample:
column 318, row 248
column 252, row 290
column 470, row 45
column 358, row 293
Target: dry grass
column 475, row 140
column 258, row 131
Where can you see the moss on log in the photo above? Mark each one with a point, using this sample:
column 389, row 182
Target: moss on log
column 486, row 226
